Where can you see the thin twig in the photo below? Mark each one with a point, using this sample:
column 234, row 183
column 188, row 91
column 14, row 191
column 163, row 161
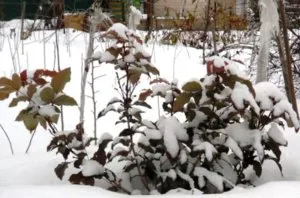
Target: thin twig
column 30, row 142
column 8, row 139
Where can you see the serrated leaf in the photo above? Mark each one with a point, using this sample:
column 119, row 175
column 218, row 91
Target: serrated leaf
column 30, row 122
column 192, row 87
column 16, row 81
column 47, row 95
column 15, row 101
column 60, row 169
column 257, row 168
column 59, row 81
column 181, row 100
column 65, row 100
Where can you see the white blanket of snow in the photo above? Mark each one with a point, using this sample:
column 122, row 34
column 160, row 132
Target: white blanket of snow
column 32, row 175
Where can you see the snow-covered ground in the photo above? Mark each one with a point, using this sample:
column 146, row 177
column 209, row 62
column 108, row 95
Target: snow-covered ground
column 31, row 175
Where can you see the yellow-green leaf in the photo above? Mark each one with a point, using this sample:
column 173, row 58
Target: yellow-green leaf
column 59, row 81
column 16, row 81
column 21, row 115
column 42, row 121
column 47, row 94
column 181, row 100
column 30, row 122
column 192, row 86
column 65, row 100
column 15, row 101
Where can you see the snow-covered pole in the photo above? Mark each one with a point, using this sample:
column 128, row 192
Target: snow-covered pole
column 269, row 27
column 135, row 17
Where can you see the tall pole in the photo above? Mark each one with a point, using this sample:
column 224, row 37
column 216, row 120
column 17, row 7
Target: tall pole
column 288, row 65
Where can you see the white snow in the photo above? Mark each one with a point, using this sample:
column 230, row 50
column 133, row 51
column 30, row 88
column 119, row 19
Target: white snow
column 266, row 92
column 276, row 134
column 92, row 168
column 244, row 136
column 208, row 148
column 240, row 95
column 31, row 175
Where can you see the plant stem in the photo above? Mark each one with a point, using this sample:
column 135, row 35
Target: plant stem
column 30, row 142
column 8, row 139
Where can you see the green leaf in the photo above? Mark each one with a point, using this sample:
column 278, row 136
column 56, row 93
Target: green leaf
column 192, row 87
column 181, row 100
column 42, row 122
column 15, row 101
column 65, row 100
column 59, row 81
column 257, row 168
column 47, row 94
column 30, row 122
column 16, row 81
column 21, row 115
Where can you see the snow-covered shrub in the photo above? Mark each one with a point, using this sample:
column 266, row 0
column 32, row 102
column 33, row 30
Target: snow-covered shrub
column 43, row 91
column 213, row 128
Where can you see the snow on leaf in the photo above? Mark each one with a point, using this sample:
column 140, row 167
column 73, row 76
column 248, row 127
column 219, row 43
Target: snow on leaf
column 148, row 124
column 267, row 94
column 208, row 148
column 106, row 110
column 231, row 143
column 285, row 107
column 214, row 178
column 153, row 134
column 276, row 134
column 244, row 136
column 47, row 111
column 92, row 168
column 240, row 95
